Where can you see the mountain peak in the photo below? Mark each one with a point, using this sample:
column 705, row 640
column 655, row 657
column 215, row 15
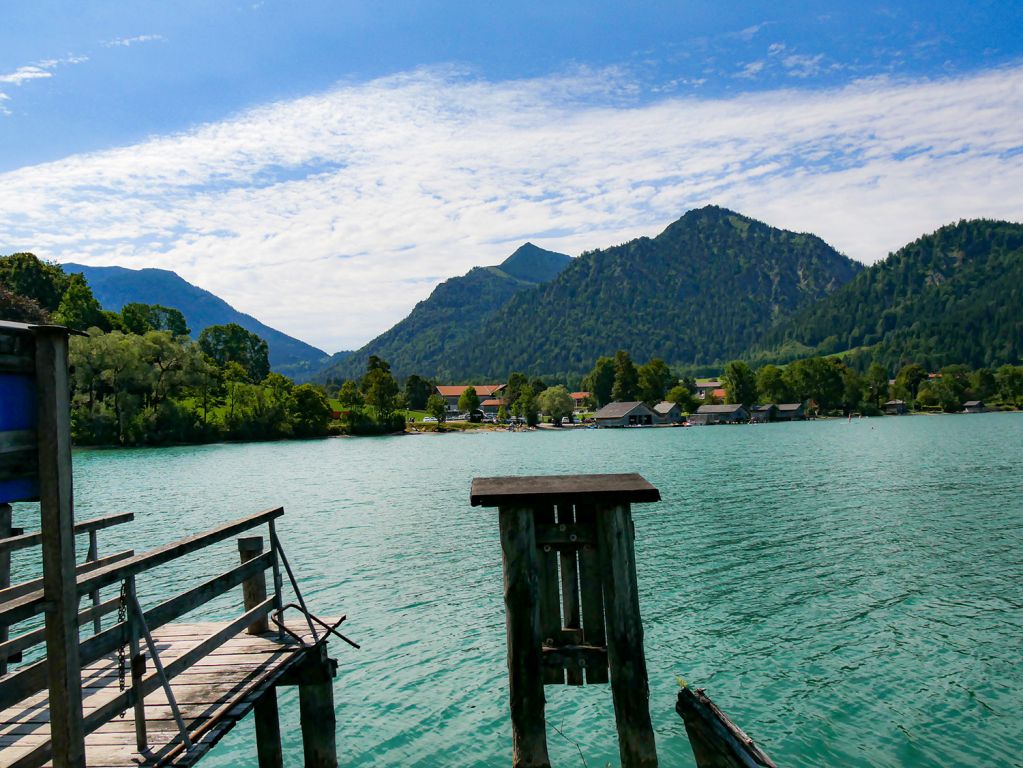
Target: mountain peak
column 534, row 264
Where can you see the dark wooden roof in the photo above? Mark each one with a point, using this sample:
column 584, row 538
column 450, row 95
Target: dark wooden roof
column 729, row 408
column 618, row 410
column 512, row 491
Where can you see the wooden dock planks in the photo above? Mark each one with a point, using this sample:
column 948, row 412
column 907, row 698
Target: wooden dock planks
column 213, row 695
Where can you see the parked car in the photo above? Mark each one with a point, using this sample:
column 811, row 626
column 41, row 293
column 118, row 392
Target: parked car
column 429, row 418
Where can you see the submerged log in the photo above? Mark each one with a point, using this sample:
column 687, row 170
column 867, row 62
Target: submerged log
column 717, row 742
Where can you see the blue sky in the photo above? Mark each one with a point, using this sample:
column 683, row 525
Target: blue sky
column 324, row 164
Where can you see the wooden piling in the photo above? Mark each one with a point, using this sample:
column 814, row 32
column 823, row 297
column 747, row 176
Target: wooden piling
column 254, row 587
column 316, row 710
column 716, row 741
column 268, row 731
column 5, row 571
column 58, row 545
column 629, row 687
column 522, row 615
column 571, row 617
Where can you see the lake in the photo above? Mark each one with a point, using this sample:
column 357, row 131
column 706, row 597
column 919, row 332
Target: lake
column 850, row 594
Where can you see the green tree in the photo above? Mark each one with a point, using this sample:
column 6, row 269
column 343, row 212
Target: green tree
column 20, row 309
column 468, row 401
column 908, row 380
column 772, row 386
column 600, row 381
column 78, row 307
column 525, row 407
column 654, row 380
column 818, row 379
column 853, row 386
column 140, row 318
column 28, row 276
column 516, row 382
column 740, row 383
column 1009, row 379
column 626, row 378
column 983, row 383
column 349, row 395
column 685, row 399
column 877, row 384
column 379, row 387
column 437, row 407
column 417, row 392
column 310, row 411
column 948, row 391
column 231, row 343
column 557, row 403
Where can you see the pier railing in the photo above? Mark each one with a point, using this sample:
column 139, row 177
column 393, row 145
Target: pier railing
column 131, row 639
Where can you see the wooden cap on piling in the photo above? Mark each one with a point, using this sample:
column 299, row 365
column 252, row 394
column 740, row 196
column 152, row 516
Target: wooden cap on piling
column 569, row 489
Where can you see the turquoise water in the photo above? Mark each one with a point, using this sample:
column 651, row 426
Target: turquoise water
column 850, row 594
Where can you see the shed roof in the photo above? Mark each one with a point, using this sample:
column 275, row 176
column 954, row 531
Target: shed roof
column 618, row 410
column 493, row 401
column 665, row 406
column 729, row 408
column 765, row 407
column 580, row 395
column 789, row 406
column 973, row 403
column 509, row 491
column 482, row 390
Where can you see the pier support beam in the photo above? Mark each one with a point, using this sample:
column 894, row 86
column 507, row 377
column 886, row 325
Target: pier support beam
column 268, row 731
column 253, row 588
column 316, row 710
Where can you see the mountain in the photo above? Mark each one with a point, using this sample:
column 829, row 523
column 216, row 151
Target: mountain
column 114, row 287
column 953, row 296
column 452, row 314
column 702, row 291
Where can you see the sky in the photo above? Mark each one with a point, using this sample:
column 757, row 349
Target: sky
column 324, row 165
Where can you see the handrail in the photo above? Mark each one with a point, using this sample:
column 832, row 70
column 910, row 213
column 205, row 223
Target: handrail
column 9, row 649
column 33, row 678
column 23, row 588
column 24, row 540
column 19, row 610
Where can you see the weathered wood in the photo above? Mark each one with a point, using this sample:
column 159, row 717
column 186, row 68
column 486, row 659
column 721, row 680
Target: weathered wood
column 58, row 544
column 254, row 587
column 522, row 615
column 591, row 595
column 268, row 731
column 629, row 686
column 17, row 610
column 563, row 535
column 5, row 578
column 32, row 678
column 561, row 489
column 571, row 618
column 716, row 741
column 316, row 711
column 93, row 556
column 575, row 657
column 550, row 599
column 86, row 526
column 36, row 585
column 19, row 643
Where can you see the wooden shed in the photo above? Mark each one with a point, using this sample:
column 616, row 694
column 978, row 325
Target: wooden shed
column 628, row 414
column 732, row 413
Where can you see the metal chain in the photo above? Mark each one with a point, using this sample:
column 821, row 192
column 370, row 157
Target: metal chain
column 122, row 650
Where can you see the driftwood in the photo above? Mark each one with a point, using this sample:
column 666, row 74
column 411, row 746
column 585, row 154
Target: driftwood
column 717, row 742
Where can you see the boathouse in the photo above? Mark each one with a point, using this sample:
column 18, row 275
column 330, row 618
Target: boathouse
column 760, row 414
column 668, row 413
column 895, row 407
column 790, row 412
column 629, row 414
column 974, row 406
column 733, row 413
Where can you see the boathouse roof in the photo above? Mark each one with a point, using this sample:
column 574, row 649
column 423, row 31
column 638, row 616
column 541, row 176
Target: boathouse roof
column 618, row 410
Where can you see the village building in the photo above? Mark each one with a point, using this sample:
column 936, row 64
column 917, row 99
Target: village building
column 974, row 406
column 761, row 414
column 668, row 413
column 630, row 414
column 580, row 401
column 451, row 393
column 895, row 407
column 790, row 412
column 705, row 388
column 732, row 413
column 491, row 406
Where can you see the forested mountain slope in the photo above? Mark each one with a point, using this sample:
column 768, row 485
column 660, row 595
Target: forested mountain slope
column 454, row 312
column 704, row 290
column 953, row 296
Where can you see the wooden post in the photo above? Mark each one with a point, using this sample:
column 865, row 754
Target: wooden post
column 522, row 615
column 316, row 710
column 5, row 570
column 268, row 731
column 58, row 545
column 254, row 587
column 570, row 590
column 137, row 664
column 93, row 554
column 629, row 688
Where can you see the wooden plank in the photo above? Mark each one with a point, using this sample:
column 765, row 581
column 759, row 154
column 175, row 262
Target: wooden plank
column 93, row 524
column 522, row 617
column 559, row 489
column 591, row 596
column 17, row 644
column 626, row 657
column 550, row 599
column 32, row 678
column 575, row 657
column 254, row 587
column 56, row 505
column 716, row 741
column 571, row 617
column 564, row 535
column 36, row 585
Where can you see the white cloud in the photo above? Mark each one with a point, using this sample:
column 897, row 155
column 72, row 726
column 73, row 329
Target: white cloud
column 799, row 65
column 41, row 70
column 329, row 216
column 751, row 70
column 127, row 42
